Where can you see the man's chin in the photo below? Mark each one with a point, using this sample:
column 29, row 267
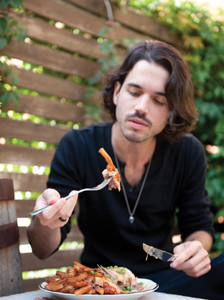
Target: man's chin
column 135, row 138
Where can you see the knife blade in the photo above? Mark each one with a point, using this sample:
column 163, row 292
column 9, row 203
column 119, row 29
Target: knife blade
column 158, row 254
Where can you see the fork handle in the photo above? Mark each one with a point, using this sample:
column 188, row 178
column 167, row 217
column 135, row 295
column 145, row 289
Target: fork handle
column 35, row 212
column 73, row 194
column 102, row 185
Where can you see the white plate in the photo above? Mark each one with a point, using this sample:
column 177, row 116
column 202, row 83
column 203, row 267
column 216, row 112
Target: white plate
column 149, row 286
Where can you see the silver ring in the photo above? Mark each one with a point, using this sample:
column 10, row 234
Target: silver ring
column 62, row 220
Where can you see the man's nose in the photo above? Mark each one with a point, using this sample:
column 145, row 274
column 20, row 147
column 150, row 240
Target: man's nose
column 142, row 105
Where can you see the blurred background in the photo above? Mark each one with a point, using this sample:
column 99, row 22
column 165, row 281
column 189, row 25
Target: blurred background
column 53, row 57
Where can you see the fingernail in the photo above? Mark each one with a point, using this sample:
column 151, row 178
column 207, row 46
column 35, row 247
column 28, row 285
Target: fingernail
column 174, row 264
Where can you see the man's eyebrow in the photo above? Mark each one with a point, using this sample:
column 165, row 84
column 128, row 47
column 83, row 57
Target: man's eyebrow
column 160, row 94
column 140, row 87
column 135, row 85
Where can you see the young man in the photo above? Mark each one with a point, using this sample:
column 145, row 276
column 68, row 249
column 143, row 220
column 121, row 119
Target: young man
column 163, row 170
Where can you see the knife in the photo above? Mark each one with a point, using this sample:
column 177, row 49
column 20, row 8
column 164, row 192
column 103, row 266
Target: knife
column 158, row 254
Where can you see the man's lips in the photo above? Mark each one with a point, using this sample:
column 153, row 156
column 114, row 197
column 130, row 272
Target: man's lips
column 137, row 123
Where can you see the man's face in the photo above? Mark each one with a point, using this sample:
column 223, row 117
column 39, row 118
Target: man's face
column 141, row 104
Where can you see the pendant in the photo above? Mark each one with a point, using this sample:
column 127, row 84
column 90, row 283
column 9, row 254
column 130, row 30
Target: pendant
column 131, row 219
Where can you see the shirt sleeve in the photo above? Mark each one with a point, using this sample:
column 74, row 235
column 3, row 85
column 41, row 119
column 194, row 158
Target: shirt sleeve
column 193, row 206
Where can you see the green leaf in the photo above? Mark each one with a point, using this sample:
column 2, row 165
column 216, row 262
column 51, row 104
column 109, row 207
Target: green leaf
column 7, row 72
column 3, row 43
column 3, row 26
column 104, row 31
column 1, row 65
column 15, row 97
column 4, row 3
column 5, row 97
column 21, row 34
column 219, row 128
column 88, row 94
column 17, row 3
column 220, row 213
column 14, row 78
column 10, row 95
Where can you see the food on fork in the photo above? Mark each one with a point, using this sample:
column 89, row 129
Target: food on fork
column 81, row 280
column 111, row 171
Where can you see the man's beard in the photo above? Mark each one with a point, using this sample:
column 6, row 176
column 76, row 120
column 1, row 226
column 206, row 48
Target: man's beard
column 134, row 136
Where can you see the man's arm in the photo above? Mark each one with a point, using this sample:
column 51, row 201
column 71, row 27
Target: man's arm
column 44, row 232
column 203, row 237
column 43, row 239
column 192, row 255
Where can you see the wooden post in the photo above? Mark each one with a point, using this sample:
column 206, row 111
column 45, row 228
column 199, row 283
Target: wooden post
column 10, row 260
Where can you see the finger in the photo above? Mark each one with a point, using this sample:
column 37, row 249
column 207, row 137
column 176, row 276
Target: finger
column 186, row 251
column 61, row 208
column 180, row 259
column 68, row 208
column 199, row 260
column 51, row 196
column 203, row 267
column 194, row 264
column 53, row 210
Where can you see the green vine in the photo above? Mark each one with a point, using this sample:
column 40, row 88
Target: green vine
column 8, row 29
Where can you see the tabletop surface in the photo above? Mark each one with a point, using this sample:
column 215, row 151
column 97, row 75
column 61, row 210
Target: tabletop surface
column 150, row 296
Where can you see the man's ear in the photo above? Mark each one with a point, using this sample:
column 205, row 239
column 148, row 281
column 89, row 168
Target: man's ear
column 116, row 92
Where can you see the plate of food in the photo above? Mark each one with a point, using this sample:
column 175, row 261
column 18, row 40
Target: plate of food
column 81, row 282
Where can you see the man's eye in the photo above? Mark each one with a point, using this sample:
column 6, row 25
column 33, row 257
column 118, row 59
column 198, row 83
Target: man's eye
column 158, row 102
column 134, row 93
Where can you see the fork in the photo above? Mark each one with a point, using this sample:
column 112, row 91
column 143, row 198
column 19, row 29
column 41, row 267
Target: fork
column 96, row 188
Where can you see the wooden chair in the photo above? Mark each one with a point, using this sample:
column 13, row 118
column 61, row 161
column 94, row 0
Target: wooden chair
column 10, row 259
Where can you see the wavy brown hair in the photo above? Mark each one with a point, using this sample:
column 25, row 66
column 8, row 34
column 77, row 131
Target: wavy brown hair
column 179, row 88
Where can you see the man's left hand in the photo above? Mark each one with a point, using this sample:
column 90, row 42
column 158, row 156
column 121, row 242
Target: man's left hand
column 191, row 258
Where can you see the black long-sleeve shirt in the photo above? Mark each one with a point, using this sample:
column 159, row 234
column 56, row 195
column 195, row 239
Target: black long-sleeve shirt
column 175, row 184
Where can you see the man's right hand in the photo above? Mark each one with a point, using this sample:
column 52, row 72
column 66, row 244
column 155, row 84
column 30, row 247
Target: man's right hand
column 44, row 232
column 60, row 208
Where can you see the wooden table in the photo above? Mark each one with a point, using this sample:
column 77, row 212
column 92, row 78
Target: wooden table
column 150, row 296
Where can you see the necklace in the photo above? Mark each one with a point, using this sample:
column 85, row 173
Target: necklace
column 131, row 214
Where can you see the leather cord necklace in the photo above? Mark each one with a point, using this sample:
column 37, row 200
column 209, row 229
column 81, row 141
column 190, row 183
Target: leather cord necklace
column 131, row 213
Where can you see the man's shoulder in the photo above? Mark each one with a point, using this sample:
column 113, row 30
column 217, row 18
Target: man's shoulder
column 189, row 146
column 88, row 131
column 96, row 127
column 189, row 141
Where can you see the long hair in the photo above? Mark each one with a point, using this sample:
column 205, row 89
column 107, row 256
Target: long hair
column 179, row 88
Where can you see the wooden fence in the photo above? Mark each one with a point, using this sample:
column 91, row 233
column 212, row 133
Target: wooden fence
column 59, row 98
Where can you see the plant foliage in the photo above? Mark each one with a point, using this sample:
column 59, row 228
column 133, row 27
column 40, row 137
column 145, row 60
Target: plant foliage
column 8, row 29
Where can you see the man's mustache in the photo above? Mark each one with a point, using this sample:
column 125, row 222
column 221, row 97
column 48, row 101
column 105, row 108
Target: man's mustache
column 139, row 116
